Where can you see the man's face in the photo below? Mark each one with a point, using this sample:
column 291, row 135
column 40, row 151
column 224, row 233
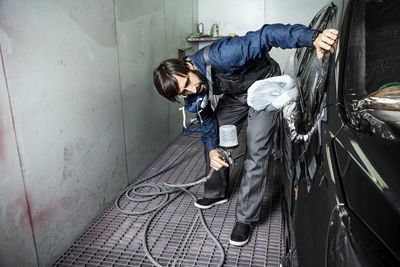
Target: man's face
column 190, row 84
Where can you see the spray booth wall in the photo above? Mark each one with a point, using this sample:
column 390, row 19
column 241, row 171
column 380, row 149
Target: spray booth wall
column 79, row 115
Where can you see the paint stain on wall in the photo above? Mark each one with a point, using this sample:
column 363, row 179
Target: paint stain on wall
column 56, row 207
column 17, row 212
column 67, row 201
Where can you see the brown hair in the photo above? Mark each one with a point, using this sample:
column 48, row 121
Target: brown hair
column 164, row 79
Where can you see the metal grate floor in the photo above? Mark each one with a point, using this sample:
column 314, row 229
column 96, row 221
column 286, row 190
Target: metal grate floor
column 176, row 236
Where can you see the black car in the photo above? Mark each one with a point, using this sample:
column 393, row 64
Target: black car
column 343, row 202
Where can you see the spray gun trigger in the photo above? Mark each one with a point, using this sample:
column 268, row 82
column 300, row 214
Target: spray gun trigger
column 226, row 154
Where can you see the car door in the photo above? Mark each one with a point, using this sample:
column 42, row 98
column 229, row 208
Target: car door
column 314, row 199
column 347, row 202
column 368, row 146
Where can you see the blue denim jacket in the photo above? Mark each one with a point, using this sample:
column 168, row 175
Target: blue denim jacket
column 235, row 55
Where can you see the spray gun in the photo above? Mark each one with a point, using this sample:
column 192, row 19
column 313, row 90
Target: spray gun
column 227, row 142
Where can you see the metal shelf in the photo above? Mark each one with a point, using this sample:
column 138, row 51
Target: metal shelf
column 204, row 38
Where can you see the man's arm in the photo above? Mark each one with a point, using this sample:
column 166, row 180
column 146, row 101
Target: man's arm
column 230, row 54
column 209, row 139
column 208, row 129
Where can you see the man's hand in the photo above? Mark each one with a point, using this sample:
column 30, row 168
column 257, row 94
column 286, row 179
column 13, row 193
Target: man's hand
column 326, row 41
column 216, row 160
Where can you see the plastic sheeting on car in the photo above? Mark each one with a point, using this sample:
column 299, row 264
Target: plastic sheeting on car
column 311, row 104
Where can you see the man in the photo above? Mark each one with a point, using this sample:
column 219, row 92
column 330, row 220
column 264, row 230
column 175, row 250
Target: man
column 229, row 66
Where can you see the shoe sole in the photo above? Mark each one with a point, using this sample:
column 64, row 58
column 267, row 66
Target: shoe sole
column 237, row 243
column 211, row 205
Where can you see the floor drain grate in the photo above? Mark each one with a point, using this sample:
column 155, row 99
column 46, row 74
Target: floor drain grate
column 175, row 236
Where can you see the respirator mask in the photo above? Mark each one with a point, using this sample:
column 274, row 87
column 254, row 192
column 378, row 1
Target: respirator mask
column 195, row 103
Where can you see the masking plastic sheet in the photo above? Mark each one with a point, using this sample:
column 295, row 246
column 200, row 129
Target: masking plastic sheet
column 379, row 113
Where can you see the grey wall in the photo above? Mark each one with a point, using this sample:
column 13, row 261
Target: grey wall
column 147, row 32
column 79, row 116
column 15, row 228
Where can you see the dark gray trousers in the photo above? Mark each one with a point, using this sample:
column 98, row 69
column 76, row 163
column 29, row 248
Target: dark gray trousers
column 233, row 109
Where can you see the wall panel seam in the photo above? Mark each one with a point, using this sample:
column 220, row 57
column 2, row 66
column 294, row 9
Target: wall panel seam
column 19, row 156
column 120, row 94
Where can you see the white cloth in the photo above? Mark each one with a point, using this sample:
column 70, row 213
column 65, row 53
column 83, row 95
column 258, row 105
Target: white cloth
column 272, row 93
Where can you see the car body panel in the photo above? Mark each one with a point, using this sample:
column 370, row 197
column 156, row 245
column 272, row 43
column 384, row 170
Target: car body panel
column 367, row 168
column 345, row 206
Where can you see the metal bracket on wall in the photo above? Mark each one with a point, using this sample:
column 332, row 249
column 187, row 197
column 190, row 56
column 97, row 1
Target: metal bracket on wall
column 182, row 51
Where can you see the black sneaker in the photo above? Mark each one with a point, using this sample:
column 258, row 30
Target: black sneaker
column 240, row 234
column 206, row 203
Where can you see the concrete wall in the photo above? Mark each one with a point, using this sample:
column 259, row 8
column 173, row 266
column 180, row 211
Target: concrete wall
column 181, row 21
column 239, row 17
column 148, row 31
column 79, row 116
column 15, row 226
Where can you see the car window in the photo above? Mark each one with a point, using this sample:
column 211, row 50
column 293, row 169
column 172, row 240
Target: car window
column 372, row 61
column 373, row 57
column 311, row 74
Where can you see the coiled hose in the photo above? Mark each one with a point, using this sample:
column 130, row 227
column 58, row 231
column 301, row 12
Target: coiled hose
column 181, row 188
column 203, row 222
column 161, row 190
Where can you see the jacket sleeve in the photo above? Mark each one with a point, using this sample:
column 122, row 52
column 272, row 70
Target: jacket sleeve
column 208, row 129
column 208, row 125
column 232, row 53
